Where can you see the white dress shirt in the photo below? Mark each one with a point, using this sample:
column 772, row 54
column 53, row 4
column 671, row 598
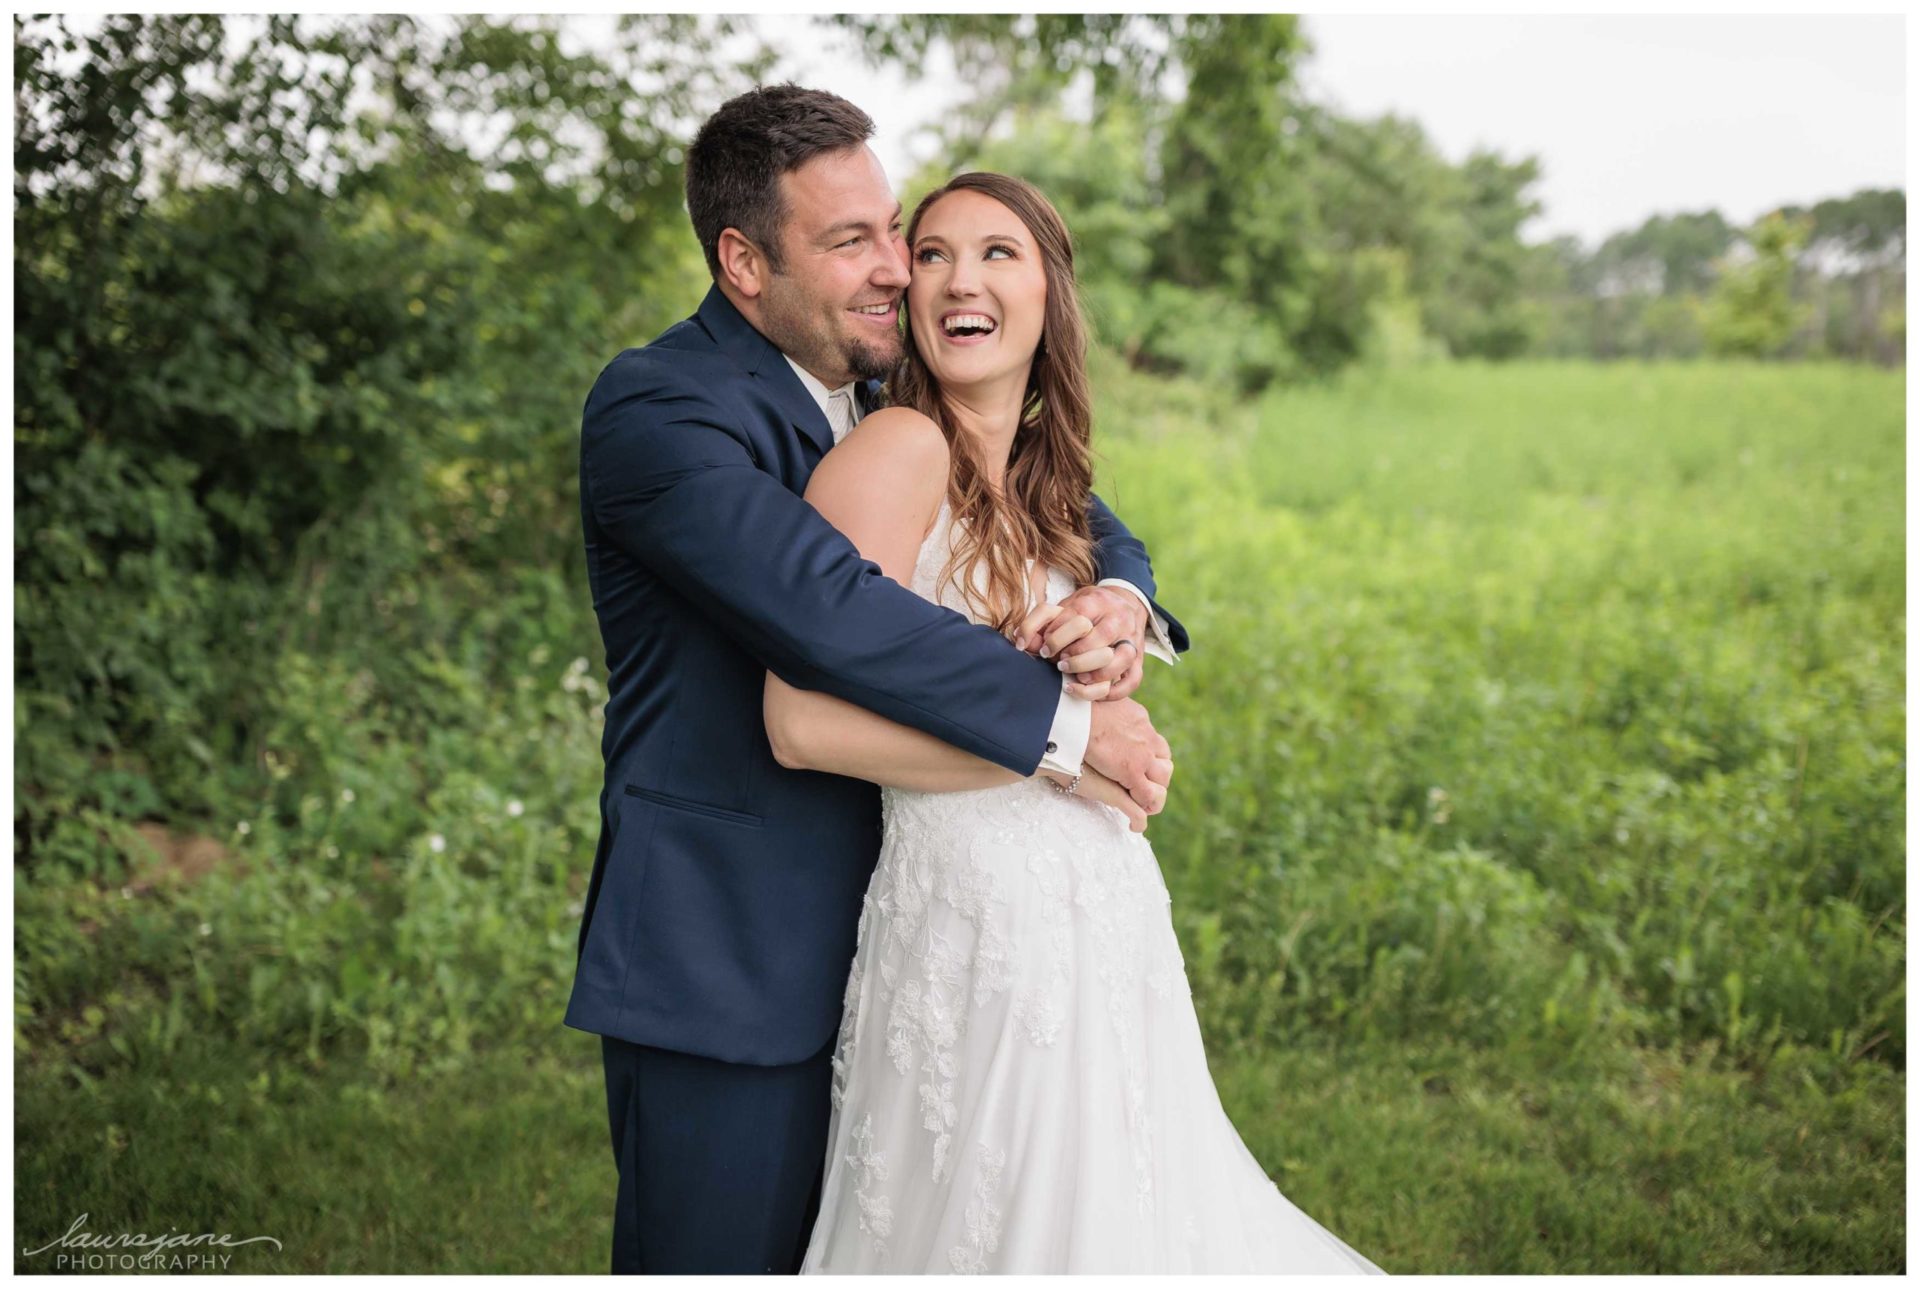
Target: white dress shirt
column 1073, row 718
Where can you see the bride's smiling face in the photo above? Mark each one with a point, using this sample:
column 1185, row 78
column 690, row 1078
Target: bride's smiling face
column 978, row 299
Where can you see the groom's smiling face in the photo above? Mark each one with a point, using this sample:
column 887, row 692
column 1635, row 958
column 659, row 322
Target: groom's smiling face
column 834, row 306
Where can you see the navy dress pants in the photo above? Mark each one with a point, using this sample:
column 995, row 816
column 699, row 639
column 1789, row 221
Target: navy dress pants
column 720, row 1164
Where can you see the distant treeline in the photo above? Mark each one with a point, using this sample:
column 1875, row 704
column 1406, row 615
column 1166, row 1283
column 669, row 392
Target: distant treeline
column 1233, row 228
column 1825, row 282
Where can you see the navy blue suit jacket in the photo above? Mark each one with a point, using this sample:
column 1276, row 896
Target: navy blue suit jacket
column 726, row 889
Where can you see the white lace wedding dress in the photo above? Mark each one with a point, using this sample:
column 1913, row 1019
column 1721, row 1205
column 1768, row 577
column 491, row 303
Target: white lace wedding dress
column 1019, row 1083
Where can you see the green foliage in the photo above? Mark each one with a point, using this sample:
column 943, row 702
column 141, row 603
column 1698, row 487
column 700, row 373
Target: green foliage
column 1568, row 748
column 1752, row 312
column 1575, row 746
column 1236, row 219
column 1222, row 193
column 1870, row 226
column 1669, row 287
column 1231, row 229
column 1021, row 62
column 1213, row 197
column 1477, row 307
column 1667, row 255
column 287, row 360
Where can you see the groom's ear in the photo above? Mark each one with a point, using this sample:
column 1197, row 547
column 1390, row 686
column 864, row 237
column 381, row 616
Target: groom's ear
column 742, row 264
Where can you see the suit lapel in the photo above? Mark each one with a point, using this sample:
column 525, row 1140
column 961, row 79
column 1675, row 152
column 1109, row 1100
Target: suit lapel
column 758, row 357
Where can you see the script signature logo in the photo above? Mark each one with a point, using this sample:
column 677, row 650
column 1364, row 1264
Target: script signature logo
column 79, row 1248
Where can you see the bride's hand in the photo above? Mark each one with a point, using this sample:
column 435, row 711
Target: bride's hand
column 1096, row 634
column 1042, row 627
column 1032, row 628
column 1095, row 786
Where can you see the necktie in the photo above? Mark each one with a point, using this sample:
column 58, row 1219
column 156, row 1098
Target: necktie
column 840, row 412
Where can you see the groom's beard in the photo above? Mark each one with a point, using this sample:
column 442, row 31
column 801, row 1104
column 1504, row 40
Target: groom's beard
column 869, row 362
column 817, row 344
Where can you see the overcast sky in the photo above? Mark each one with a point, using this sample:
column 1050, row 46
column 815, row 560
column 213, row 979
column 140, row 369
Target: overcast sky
column 1629, row 116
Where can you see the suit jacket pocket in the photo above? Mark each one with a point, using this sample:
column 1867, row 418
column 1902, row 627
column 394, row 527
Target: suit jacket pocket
column 740, row 817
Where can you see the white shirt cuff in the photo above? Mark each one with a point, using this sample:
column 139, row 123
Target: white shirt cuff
column 1067, row 740
column 1158, row 644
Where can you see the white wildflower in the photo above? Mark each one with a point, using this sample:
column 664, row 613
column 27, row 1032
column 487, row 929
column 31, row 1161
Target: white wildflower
column 515, row 809
column 436, row 843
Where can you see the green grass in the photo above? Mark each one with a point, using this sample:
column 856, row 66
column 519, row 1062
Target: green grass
column 1438, row 1159
column 501, row 1166
column 1537, row 848
column 1542, row 699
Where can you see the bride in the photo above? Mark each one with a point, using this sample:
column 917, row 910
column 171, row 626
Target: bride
column 1019, row 1083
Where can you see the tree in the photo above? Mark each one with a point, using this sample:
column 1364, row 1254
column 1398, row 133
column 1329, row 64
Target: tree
column 1388, row 211
column 1855, row 257
column 301, row 305
column 1023, row 62
column 1228, row 159
column 1280, row 231
column 1751, row 312
column 1477, row 307
column 1666, row 255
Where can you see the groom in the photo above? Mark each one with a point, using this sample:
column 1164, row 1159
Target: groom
column 720, row 918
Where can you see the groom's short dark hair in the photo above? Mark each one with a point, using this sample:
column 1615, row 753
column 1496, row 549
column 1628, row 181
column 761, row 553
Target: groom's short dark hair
column 737, row 158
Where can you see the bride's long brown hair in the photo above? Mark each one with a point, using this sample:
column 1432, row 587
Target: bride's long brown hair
column 1041, row 508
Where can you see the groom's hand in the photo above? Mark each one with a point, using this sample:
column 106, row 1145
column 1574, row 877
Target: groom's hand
column 1123, row 745
column 1097, row 637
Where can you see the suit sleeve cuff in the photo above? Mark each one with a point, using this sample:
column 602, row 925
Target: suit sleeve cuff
column 1067, row 740
column 1158, row 643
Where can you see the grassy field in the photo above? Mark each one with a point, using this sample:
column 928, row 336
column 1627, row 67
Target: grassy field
column 1537, row 849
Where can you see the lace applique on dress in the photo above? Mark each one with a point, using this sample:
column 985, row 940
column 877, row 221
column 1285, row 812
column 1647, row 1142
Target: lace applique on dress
column 876, row 1211
column 983, row 1215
